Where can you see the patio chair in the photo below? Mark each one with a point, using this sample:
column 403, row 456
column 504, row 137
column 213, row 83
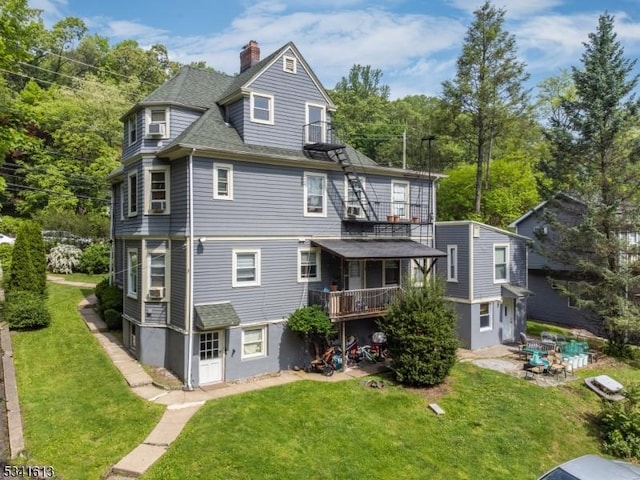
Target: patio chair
column 556, row 365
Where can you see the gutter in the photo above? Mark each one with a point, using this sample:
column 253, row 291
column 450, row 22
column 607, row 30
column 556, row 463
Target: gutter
column 188, row 383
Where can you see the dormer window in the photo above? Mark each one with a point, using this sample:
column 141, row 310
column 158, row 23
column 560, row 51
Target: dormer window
column 289, row 64
column 262, row 108
column 157, row 122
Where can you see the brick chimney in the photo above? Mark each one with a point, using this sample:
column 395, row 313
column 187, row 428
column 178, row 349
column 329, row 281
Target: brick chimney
column 249, row 56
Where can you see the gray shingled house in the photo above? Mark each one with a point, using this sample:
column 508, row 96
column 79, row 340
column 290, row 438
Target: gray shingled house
column 236, row 203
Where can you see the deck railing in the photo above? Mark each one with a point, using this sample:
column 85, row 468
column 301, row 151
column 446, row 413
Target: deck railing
column 391, row 212
column 367, row 302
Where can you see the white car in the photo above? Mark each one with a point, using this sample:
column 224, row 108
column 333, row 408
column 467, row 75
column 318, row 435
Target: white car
column 593, row 467
column 7, row 239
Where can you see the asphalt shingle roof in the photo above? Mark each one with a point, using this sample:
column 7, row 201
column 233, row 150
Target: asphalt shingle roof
column 216, row 315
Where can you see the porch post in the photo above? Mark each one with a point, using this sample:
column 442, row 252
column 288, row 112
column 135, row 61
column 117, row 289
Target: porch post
column 343, row 331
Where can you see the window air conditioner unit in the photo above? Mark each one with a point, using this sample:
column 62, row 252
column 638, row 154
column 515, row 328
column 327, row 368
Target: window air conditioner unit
column 156, row 292
column 353, row 211
column 157, row 128
column 158, row 205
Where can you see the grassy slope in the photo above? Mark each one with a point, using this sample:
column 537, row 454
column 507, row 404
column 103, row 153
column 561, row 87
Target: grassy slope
column 78, row 413
column 495, row 427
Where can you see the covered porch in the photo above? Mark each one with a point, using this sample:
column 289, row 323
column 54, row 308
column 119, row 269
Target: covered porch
column 368, row 274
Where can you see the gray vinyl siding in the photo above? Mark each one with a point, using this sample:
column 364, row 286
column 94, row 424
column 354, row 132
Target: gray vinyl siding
column 486, row 338
column 464, row 324
column 290, row 93
column 454, row 235
column 133, row 224
column 179, row 120
column 527, row 228
column 157, row 243
column 132, row 306
column 235, row 116
column 119, row 263
column 127, row 149
column 279, row 293
column 178, row 283
column 155, row 313
column 483, row 266
column 179, row 178
column 549, row 306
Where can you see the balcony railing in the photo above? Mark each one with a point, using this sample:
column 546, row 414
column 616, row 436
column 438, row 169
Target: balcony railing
column 391, row 212
column 319, row 132
column 348, row 304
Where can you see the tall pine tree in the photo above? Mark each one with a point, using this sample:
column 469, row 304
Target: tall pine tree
column 595, row 151
column 487, row 94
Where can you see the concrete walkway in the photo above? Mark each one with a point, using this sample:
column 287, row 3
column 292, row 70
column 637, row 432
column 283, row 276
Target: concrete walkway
column 181, row 404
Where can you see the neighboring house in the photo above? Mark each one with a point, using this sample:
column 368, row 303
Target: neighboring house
column 486, row 277
column 548, row 305
column 236, row 204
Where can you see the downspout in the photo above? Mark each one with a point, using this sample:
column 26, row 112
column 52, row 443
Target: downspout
column 188, row 384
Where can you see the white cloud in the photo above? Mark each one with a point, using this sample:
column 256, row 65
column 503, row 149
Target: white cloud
column 514, row 8
column 52, row 10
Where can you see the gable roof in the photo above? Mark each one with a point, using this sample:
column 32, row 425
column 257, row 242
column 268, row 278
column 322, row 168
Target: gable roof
column 541, row 205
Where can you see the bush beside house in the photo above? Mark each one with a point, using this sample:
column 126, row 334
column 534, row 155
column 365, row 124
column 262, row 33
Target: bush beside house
column 421, row 335
column 95, row 258
column 109, row 305
column 313, row 325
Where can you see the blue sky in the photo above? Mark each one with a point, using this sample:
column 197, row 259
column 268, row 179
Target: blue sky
column 414, row 43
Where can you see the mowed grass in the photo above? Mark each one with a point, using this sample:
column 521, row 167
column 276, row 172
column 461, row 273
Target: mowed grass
column 495, row 427
column 77, row 411
column 81, row 277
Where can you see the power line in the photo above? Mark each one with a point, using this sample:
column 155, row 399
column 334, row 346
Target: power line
column 16, row 187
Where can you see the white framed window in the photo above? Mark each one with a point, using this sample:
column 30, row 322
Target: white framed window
column 289, row 64
column 315, row 194
column 132, row 129
column 353, row 207
column 132, row 194
column 254, row 342
column 132, row 272
column 222, row 181
column 262, row 108
column 485, row 317
column 158, row 190
column 452, row 263
column 316, row 116
column 246, row 268
column 500, row 263
column 309, row 265
column 157, row 122
column 400, row 199
column 391, row 272
column 157, row 279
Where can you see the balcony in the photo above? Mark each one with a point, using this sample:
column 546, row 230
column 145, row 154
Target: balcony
column 387, row 212
column 354, row 304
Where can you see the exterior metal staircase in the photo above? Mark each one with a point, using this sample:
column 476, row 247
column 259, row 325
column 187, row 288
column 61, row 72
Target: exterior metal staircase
column 342, row 158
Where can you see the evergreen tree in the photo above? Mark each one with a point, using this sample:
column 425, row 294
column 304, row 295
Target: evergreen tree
column 487, row 93
column 421, row 334
column 29, row 261
column 597, row 144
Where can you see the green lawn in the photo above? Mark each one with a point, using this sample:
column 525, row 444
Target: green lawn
column 81, row 277
column 77, row 411
column 495, row 427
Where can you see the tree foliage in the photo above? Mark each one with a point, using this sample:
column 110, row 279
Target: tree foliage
column 28, row 261
column 487, row 92
column 620, row 423
column 597, row 145
column 26, row 310
column 313, row 324
column 421, row 334
column 511, row 191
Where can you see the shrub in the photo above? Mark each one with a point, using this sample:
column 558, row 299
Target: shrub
column 110, row 298
column 28, row 261
column 113, row 319
column 23, row 309
column 421, row 334
column 100, row 288
column 6, row 250
column 95, row 258
column 64, row 258
column 620, row 422
column 313, row 324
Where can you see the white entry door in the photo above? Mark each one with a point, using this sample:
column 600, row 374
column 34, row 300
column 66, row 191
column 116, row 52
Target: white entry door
column 356, row 281
column 508, row 319
column 211, row 357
